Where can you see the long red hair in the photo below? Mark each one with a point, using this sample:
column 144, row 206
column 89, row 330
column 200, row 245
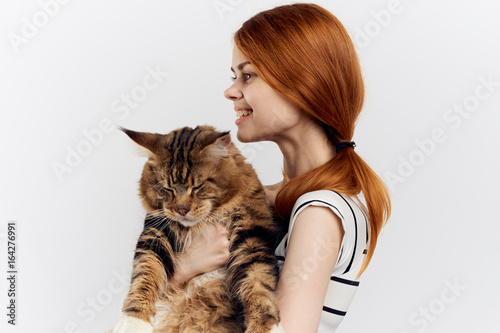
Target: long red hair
column 305, row 53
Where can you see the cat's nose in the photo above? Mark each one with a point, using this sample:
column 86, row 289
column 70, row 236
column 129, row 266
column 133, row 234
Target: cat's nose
column 182, row 210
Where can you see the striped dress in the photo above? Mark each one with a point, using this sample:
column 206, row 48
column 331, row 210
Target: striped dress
column 343, row 282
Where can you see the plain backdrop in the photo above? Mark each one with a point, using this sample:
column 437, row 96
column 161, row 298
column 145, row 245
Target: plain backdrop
column 71, row 71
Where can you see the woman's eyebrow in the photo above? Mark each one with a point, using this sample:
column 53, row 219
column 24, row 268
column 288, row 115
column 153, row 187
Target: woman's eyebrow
column 241, row 66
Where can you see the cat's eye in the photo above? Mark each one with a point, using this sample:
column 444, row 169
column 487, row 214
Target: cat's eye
column 197, row 187
column 166, row 191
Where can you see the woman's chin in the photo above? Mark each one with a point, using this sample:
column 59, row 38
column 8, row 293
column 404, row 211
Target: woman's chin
column 242, row 136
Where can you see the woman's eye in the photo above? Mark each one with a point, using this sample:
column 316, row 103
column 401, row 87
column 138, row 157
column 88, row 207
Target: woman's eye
column 245, row 76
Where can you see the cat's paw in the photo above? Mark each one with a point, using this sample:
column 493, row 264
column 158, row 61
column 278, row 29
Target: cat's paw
column 277, row 329
column 132, row 325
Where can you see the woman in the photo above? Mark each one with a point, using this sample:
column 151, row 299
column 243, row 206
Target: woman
column 298, row 83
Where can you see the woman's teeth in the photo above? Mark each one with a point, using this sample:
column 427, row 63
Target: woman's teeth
column 243, row 113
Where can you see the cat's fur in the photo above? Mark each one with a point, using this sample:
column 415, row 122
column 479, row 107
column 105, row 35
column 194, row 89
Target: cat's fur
column 193, row 178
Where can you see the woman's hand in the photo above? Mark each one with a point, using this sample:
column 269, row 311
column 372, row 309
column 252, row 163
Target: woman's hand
column 205, row 254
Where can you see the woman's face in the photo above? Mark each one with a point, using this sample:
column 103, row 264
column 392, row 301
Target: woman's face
column 262, row 112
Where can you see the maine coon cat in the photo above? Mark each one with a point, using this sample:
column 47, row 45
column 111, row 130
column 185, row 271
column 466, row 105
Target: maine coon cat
column 193, row 178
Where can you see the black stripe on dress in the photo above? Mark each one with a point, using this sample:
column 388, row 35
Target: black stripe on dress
column 334, row 311
column 344, row 281
column 355, row 235
column 340, row 256
column 366, row 221
column 327, row 203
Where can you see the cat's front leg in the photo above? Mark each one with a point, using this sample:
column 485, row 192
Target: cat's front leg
column 153, row 266
column 260, row 308
column 253, row 278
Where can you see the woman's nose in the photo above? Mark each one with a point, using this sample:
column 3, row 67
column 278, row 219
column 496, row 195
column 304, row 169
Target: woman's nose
column 233, row 93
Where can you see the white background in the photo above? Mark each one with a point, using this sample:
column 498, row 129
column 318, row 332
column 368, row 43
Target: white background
column 76, row 231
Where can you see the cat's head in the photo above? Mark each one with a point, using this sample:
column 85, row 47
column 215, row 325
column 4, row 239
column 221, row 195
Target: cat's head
column 188, row 174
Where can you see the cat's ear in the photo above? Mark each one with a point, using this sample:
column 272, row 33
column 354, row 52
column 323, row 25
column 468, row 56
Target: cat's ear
column 220, row 147
column 149, row 141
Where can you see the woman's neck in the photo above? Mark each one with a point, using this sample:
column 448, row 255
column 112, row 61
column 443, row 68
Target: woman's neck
column 305, row 149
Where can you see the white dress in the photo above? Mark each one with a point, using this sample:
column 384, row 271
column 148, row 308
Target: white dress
column 343, row 282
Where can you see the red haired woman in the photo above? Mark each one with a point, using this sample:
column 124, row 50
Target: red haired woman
column 298, row 83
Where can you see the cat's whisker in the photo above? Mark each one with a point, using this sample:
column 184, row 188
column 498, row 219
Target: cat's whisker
column 157, row 212
column 163, row 174
column 165, row 223
column 151, row 189
column 212, row 218
column 157, row 221
column 161, row 223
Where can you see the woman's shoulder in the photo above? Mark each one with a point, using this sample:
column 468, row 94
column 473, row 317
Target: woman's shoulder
column 353, row 217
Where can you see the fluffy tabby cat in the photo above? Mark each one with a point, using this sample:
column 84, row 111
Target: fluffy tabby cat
column 193, row 178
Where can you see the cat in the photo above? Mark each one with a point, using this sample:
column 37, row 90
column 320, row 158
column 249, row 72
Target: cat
column 194, row 178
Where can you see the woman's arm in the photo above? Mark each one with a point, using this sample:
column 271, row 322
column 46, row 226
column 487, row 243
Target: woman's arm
column 205, row 254
column 311, row 256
